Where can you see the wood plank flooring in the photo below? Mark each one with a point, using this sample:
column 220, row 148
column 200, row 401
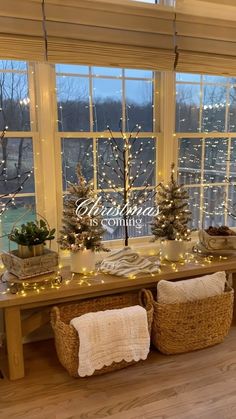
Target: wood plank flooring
column 197, row 385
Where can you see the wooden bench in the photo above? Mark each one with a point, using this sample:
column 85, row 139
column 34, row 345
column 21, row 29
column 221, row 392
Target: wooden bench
column 81, row 288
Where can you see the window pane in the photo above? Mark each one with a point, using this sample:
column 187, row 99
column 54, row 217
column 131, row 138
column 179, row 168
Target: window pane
column 141, row 225
column 74, row 151
column 214, row 106
column 14, row 100
column 189, row 160
column 113, row 225
column 16, row 159
column 187, row 107
column 142, row 74
column 110, row 163
column 215, row 160
column 142, row 163
column 232, row 159
column 137, row 225
column 188, row 77
column 215, row 79
column 107, row 109
column 107, row 71
column 73, row 103
column 23, row 210
column 231, row 206
column 74, row 69
column 139, row 101
column 194, row 206
column 213, row 212
column 13, row 65
column 232, row 109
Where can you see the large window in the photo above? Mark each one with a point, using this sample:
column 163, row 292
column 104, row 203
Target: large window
column 16, row 147
column 91, row 98
column 206, row 134
column 75, row 104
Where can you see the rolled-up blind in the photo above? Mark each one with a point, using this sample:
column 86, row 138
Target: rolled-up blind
column 99, row 33
column 205, row 45
column 105, row 33
column 21, row 30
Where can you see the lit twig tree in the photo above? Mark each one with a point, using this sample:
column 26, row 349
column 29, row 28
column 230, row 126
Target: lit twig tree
column 121, row 171
column 172, row 221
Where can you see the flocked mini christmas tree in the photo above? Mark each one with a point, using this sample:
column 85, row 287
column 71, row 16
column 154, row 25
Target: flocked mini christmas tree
column 80, row 232
column 174, row 215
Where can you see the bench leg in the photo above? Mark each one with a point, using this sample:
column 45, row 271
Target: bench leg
column 14, row 342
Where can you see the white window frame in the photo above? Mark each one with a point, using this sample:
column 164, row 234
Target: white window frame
column 47, row 145
column 163, row 128
column 33, row 134
column 224, row 135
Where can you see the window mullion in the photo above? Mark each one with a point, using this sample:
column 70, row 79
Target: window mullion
column 167, row 144
column 156, row 121
column 35, row 140
column 226, row 194
column 46, row 124
column 201, row 104
column 202, row 205
column 92, row 115
column 227, row 105
column 124, row 110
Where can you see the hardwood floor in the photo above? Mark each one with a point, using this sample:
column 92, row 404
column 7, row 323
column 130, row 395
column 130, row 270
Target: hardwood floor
column 197, row 385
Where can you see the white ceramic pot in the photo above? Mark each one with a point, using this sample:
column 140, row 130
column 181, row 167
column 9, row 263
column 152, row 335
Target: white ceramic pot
column 173, row 250
column 83, row 261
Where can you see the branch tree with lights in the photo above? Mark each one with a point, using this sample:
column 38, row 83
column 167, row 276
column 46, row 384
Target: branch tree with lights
column 174, row 215
column 126, row 166
column 80, row 232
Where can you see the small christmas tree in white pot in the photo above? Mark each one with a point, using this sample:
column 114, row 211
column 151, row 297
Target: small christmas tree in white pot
column 171, row 224
column 81, row 234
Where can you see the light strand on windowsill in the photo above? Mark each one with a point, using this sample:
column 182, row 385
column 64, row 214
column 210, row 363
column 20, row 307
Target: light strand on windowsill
column 56, row 281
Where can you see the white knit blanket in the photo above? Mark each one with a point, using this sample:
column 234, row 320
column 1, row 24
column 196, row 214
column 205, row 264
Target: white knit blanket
column 126, row 262
column 111, row 336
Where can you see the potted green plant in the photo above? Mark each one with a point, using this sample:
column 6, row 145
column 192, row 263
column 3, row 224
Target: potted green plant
column 31, row 238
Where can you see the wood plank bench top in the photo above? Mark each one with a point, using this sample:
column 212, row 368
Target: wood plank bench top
column 88, row 286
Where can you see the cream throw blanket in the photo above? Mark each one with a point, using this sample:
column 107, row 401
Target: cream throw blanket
column 126, row 262
column 111, row 336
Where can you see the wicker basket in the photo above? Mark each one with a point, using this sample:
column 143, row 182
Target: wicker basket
column 66, row 337
column 186, row 327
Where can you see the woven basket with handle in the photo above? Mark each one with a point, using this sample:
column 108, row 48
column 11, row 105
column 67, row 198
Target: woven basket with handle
column 66, row 337
column 189, row 326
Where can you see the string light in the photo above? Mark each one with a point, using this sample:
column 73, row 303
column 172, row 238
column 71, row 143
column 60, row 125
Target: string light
column 62, row 279
column 123, row 159
column 24, row 177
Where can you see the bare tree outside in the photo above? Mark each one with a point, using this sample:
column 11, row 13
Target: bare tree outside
column 16, row 154
column 93, row 100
